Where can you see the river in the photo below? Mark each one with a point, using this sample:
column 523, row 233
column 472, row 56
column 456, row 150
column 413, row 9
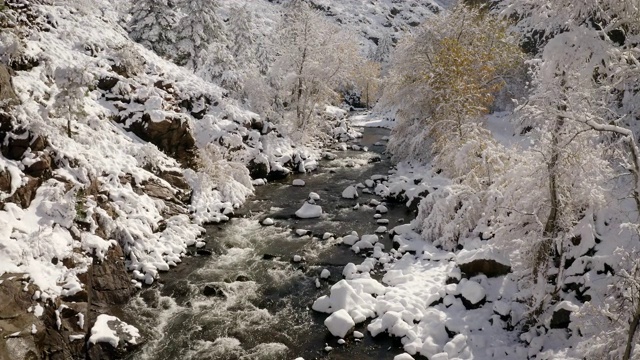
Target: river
column 249, row 299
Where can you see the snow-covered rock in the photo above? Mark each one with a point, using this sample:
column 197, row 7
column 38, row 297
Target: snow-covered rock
column 298, row 182
column 339, row 323
column 404, row 356
column 309, row 211
column 472, row 292
column 351, row 192
column 111, row 330
column 267, row 222
column 325, row 274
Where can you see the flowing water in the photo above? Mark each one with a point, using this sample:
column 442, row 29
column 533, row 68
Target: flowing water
column 249, row 300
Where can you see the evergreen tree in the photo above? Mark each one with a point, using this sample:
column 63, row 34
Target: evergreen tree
column 153, row 24
column 241, row 34
column 383, row 50
column 199, row 28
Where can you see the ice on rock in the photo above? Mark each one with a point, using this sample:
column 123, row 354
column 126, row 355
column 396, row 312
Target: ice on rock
column 314, row 196
column 381, row 229
column 381, row 209
column 351, row 192
column 404, row 356
column 377, row 216
column 358, row 335
column 309, row 211
column 472, row 291
column 267, row 222
column 325, row 274
column 374, row 202
column 298, row 182
column 339, row 323
column 341, row 342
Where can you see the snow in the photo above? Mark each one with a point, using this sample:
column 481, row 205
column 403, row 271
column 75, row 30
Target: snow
column 309, row 211
column 325, row 274
column 301, row 232
column 381, row 229
column 404, row 356
column 102, row 332
column 267, row 222
column 381, row 209
column 298, row 182
column 314, row 196
column 351, row 192
column 339, row 323
column 358, row 334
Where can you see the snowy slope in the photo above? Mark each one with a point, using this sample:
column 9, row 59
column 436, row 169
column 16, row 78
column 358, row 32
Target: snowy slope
column 138, row 126
column 368, row 20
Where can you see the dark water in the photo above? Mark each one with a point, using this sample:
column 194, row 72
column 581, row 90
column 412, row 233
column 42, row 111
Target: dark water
column 259, row 301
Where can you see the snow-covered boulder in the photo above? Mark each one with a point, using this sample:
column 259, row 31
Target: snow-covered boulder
column 486, row 260
column 325, row 274
column 309, row 211
column 473, row 294
column 404, row 356
column 113, row 331
column 351, row 192
column 381, row 209
column 339, row 323
column 267, row 222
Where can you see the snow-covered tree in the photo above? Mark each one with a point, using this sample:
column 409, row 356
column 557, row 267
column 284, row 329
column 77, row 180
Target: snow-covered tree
column 445, row 76
column 72, row 83
column 382, row 52
column 583, row 102
column 153, row 25
column 312, row 58
column 199, row 27
column 240, row 30
column 263, row 56
column 367, row 80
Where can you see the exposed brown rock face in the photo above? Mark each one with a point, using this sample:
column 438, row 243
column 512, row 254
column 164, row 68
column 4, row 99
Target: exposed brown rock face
column 7, row 95
column 172, row 135
column 488, row 267
column 109, row 283
column 15, row 319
